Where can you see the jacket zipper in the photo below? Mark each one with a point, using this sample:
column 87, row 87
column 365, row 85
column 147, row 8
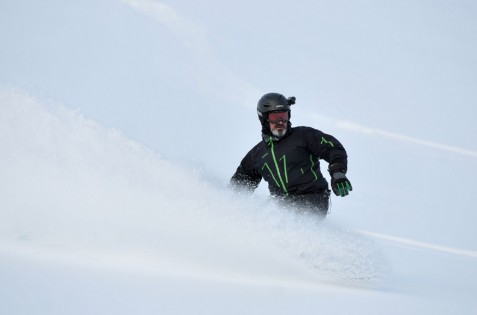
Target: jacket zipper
column 272, row 149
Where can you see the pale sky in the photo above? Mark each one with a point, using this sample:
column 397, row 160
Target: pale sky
column 406, row 67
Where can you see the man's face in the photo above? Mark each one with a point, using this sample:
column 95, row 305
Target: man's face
column 278, row 123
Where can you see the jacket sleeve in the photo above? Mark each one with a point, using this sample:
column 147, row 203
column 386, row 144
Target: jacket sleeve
column 246, row 177
column 328, row 148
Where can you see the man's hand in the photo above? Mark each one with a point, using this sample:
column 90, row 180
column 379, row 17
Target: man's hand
column 340, row 184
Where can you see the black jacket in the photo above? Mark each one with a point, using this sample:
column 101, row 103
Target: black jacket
column 291, row 165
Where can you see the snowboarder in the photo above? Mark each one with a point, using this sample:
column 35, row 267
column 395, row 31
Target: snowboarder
column 288, row 159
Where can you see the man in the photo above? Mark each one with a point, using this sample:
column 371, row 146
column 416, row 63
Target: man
column 288, row 159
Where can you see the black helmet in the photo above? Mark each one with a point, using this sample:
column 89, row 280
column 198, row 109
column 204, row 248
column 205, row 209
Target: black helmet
column 272, row 102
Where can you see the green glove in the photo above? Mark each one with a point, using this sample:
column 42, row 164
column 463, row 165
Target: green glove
column 340, row 184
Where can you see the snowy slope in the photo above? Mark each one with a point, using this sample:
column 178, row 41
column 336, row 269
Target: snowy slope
column 92, row 221
column 122, row 121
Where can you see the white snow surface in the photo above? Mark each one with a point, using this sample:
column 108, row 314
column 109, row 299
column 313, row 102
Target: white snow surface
column 120, row 129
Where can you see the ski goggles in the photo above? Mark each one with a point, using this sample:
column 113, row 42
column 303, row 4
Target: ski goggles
column 276, row 117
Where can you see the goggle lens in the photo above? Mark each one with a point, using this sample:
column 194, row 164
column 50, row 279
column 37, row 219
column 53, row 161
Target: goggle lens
column 275, row 118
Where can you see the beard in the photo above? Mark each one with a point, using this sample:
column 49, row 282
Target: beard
column 279, row 133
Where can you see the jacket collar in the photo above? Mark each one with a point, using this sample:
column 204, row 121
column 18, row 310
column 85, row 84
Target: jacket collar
column 267, row 137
